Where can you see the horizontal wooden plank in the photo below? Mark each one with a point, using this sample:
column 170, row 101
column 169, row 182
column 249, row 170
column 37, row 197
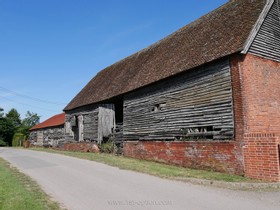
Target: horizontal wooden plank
column 192, row 100
column 267, row 41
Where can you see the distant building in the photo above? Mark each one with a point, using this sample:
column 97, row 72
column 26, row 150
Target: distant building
column 206, row 96
column 48, row 132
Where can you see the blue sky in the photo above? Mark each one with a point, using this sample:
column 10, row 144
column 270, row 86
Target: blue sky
column 50, row 49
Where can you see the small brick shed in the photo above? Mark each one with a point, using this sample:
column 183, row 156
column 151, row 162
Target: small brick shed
column 207, row 96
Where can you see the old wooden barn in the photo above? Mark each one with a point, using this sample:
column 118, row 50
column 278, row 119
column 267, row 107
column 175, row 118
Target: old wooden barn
column 206, row 96
column 49, row 132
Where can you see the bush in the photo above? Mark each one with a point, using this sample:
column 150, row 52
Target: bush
column 2, row 143
column 107, row 147
column 18, row 139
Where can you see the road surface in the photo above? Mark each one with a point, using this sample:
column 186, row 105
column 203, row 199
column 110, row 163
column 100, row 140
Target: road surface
column 82, row 184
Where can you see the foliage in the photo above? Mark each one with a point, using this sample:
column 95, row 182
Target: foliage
column 18, row 139
column 19, row 192
column 7, row 130
column 14, row 117
column 11, row 124
column 2, row 143
column 107, row 147
column 1, row 112
column 30, row 119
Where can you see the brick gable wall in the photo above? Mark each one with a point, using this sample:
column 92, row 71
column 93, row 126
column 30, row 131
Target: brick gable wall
column 260, row 115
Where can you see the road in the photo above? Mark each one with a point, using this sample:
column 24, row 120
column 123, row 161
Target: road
column 82, row 184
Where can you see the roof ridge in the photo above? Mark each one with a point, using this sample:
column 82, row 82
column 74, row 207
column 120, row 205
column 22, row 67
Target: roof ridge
column 201, row 41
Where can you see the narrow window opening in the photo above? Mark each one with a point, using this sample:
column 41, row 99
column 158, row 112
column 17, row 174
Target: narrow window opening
column 158, row 107
column 155, row 108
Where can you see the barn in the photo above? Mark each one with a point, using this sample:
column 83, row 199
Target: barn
column 49, row 132
column 206, row 96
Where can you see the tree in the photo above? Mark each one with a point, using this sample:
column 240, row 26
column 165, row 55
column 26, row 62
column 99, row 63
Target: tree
column 7, row 131
column 30, row 119
column 14, row 117
column 28, row 122
column 12, row 126
column 1, row 112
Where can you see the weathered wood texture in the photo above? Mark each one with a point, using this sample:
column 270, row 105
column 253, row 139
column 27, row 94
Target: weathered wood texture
column 193, row 105
column 90, row 123
column 47, row 135
column 106, row 121
column 267, row 40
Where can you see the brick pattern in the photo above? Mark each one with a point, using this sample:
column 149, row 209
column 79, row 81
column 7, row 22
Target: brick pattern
column 261, row 156
column 260, row 94
column 237, row 97
column 222, row 156
column 81, row 147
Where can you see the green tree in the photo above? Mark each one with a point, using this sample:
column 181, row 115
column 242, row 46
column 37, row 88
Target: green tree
column 14, row 117
column 1, row 112
column 30, row 119
column 11, row 126
column 7, row 131
column 28, row 122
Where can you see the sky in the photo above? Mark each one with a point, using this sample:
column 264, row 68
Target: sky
column 50, row 49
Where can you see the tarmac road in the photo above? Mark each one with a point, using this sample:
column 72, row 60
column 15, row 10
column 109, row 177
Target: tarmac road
column 82, row 184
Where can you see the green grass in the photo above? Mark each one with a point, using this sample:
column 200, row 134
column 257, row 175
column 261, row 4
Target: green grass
column 150, row 167
column 19, row 192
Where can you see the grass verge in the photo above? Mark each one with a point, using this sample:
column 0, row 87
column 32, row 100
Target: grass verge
column 150, row 167
column 19, row 192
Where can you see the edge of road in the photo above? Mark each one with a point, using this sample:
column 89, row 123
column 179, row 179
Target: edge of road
column 245, row 186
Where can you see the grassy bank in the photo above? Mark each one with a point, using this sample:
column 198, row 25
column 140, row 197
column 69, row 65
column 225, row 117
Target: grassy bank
column 19, row 192
column 149, row 167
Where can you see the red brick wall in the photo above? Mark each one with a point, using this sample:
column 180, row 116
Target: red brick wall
column 260, row 93
column 262, row 156
column 81, row 147
column 221, row 156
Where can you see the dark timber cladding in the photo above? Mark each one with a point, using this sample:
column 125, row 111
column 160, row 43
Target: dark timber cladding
column 267, row 41
column 90, row 122
column 194, row 104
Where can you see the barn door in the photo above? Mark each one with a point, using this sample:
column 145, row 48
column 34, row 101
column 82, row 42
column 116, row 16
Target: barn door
column 106, row 121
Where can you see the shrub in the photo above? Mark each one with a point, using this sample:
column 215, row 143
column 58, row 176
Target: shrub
column 18, row 139
column 107, row 147
column 2, row 143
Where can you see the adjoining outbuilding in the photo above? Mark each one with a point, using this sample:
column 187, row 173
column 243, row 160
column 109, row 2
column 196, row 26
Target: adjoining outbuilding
column 49, row 132
column 206, row 96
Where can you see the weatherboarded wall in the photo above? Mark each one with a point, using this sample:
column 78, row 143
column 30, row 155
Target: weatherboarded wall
column 196, row 104
column 90, row 123
column 203, row 98
column 255, row 150
column 267, row 40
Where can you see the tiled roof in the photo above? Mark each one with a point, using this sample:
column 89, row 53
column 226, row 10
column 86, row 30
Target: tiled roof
column 220, row 33
column 55, row 120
